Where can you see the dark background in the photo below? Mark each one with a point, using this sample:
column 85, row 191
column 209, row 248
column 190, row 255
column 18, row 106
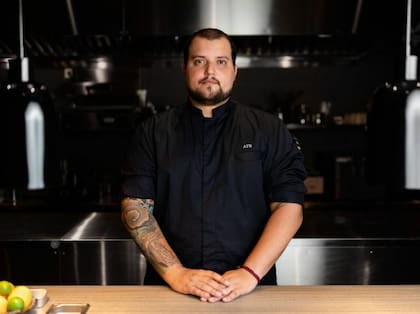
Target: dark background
column 140, row 43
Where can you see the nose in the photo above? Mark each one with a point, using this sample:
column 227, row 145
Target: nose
column 210, row 69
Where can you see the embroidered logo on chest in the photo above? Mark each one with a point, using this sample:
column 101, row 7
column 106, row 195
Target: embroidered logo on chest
column 247, row 146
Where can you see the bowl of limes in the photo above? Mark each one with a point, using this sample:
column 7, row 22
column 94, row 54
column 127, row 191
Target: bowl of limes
column 14, row 299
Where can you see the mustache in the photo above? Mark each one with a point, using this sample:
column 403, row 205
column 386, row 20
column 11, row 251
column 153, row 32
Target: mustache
column 208, row 78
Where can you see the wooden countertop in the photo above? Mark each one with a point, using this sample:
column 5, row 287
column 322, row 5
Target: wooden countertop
column 265, row 299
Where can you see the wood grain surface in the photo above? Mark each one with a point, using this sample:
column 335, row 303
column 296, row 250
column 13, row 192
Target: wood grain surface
column 265, row 299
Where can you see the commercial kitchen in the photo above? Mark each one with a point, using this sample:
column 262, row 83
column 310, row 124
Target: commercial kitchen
column 343, row 77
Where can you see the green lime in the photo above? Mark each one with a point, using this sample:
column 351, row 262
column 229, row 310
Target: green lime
column 6, row 288
column 15, row 304
column 24, row 293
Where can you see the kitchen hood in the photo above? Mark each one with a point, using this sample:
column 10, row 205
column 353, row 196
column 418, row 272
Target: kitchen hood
column 155, row 28
column 181, row 17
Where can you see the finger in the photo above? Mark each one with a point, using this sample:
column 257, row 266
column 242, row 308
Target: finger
column 219, row 278
column 231, row 296
column 206, row 285
column 213, row 284
column 206, row 290
column 203, row 295
column 213, row 300
column 211, row 290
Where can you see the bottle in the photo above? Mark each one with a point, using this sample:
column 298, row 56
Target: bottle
column 303, row 115
column 325, row 111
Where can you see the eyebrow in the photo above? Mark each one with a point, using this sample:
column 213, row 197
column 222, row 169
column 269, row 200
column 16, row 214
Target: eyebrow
column 219, row 57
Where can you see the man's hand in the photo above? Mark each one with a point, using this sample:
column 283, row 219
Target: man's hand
column 209, row 286
column 241, row 282
column 137, row 216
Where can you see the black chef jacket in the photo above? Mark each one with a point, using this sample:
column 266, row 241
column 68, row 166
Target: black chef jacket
column 213, row 179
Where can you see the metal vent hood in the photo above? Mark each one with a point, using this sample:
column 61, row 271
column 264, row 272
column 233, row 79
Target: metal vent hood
column 80, row 28
column 252, row 17
column 181, row 17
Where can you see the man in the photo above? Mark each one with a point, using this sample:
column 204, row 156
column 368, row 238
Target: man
column 213, row 189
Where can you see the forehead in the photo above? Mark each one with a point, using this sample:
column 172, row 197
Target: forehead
column 201, row 46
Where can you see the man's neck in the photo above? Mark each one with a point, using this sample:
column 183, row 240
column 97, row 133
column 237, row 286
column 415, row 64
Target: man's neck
column 207, row 110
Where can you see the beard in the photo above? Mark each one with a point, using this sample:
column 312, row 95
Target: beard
column 213, row 95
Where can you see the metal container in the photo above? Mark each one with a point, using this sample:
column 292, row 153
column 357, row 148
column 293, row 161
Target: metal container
column 73, row 308
column 389, row 149
column 28, row 129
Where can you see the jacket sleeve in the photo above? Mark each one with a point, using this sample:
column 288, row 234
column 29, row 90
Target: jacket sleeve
column 139, row 166
column 284, row 167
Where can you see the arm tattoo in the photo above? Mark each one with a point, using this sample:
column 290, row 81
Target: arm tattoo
column 138, row 218
column 137, row 212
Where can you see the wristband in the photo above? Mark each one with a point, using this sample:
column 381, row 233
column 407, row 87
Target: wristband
column 249, row 270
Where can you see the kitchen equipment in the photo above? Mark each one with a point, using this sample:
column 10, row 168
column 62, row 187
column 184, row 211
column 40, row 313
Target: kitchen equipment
column 27, row 127
column 40, row 296
column 393, row 123
column 71, row 308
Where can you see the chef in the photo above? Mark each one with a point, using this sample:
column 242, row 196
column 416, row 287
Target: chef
column 213, row 190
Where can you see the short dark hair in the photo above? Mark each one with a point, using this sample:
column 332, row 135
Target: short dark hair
column 210, row 34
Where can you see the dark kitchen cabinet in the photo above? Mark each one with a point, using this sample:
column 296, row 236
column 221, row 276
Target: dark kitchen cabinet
column 71, row 262
column 101, row 262
column 29, row 262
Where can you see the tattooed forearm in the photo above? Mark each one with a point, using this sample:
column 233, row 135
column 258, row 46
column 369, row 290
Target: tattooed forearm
column 136, row 212
column 161, row 254
column 140, row 222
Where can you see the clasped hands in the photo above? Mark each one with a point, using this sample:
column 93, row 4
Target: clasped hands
column 210, row 286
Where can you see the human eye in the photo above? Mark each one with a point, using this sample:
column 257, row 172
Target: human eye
column 222, row 61
column 199, row 62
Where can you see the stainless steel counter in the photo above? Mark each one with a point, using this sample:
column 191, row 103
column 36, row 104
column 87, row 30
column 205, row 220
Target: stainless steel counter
column 332, row 247
column 361, row 222
column 61, row 226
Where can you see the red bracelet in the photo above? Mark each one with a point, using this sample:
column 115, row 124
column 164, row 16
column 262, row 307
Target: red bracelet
column 249, row 270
